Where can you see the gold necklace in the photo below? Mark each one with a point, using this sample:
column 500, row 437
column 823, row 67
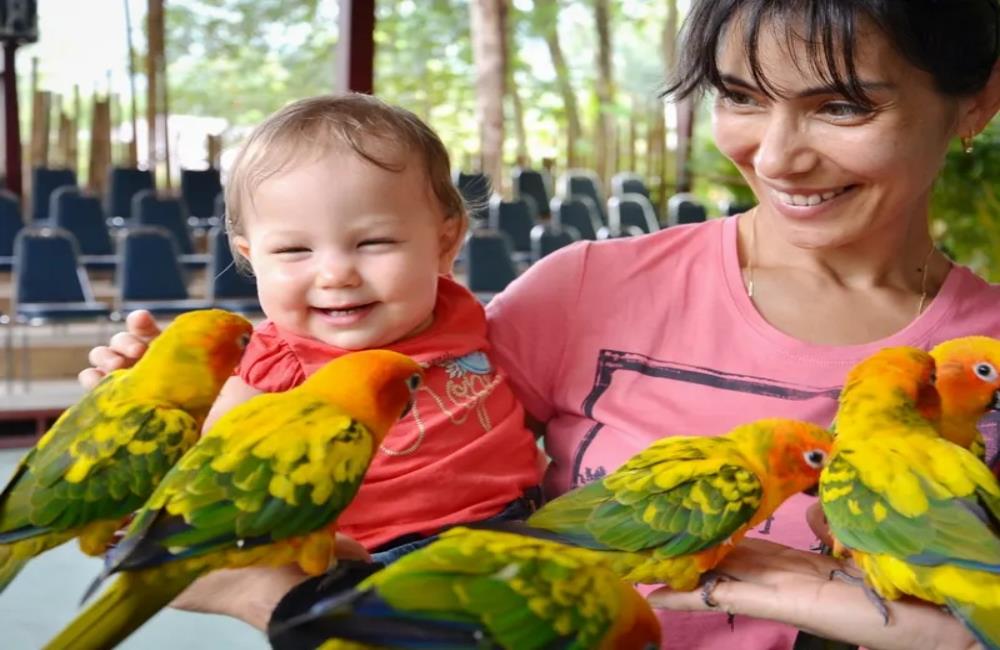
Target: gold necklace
column 752, row 250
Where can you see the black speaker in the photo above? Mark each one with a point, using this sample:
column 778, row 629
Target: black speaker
column 19, row 20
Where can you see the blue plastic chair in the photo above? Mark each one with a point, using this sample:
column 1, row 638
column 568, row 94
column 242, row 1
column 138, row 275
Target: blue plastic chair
column 150, row 275
column 83, row 216
column 10, row 224
column 732, row 208
column 50, row 285
column 631, row 211
column 476, row 189
column 44, row 182
column 624, row 183
column 685, row 208
column 577, row 183
column 123, row 184
column 168, row 213
column 199, row 188
column 547, row 238
column 491, row 268
column 514, row 219
column 529, row 183
column 230, row 288
column 576, row 213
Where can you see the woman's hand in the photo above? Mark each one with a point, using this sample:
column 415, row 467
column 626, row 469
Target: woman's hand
column 124, row 349
column 251, row 594
column 794, row 587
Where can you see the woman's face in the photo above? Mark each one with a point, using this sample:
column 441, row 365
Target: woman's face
column 827, row 171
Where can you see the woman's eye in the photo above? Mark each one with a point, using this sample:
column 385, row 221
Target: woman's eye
column 736, row 98
column 845, row 110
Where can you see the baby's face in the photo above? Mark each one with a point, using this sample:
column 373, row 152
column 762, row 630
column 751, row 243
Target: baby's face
column 346, row 252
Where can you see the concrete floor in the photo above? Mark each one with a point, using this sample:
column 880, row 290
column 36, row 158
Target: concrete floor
column 45, row 596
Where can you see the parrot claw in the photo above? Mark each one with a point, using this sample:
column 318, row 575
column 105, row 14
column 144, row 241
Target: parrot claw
column 856, row 581
column 709, row 581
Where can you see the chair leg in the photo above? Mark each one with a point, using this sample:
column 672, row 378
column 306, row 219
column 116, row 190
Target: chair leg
column 25, row 360
column 9, row 364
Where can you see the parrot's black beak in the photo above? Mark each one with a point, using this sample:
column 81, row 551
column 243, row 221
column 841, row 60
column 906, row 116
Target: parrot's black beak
column 407, row 408
column 812, row 491
column 995, row 404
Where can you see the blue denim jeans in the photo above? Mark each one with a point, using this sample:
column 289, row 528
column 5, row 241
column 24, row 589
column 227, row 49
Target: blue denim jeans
column 517, row 509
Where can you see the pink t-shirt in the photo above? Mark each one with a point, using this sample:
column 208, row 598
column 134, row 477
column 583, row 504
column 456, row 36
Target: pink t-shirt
column 460, row 455
column 615, row 344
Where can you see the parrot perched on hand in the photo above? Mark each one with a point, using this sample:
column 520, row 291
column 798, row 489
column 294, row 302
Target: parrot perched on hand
column 676, row 509
column 104, row 456
column 263, row 486
column 967, row 378
column 920, row 515
column 481, row 589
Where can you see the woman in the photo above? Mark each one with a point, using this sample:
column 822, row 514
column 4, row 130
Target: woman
column 838, row 113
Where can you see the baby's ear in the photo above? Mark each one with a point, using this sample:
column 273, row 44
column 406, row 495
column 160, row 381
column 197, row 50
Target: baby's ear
column 241, row 246
column 452, row 237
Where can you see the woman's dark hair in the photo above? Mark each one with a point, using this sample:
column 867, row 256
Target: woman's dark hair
column 956, row 41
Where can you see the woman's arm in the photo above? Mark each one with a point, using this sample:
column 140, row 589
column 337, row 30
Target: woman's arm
column 794, row 587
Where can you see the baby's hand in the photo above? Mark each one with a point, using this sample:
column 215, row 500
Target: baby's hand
column 124, row 349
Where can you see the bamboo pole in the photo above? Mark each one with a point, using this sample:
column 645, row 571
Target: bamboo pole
column 213, row 145
column 100, row 145
column 133, row 154
column 154, row 21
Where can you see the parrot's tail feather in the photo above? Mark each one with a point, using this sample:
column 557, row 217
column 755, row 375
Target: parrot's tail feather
column 983, row 623
column 363, row 617
column 130, row 601
column 526, row 529
column 10, row 565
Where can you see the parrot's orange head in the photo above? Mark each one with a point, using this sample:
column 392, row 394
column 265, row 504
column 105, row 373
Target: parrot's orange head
column 894, row 374
column 375, row 387
column 968, row 376
column 217, row 337
column 795, row 452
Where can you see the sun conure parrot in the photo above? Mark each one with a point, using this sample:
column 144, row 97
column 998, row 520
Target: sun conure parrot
column 968, row 380
column 481, row 589
column 104, row 456
column 919, row 514
column 263, row 486
column 676, row 509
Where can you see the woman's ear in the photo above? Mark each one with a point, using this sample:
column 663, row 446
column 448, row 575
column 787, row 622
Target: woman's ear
column 980, row 108
column 451, row 239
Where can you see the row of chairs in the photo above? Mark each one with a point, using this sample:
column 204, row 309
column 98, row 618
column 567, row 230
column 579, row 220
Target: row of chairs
column 200, row 189
column 51, row 284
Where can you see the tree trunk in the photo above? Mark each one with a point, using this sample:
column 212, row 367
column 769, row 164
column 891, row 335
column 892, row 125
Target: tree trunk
column 490, row 55
column 606, row 136
column 548, row 16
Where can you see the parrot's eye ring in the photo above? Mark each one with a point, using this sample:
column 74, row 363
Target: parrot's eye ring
column 986, row 371
column 815, row 458
column 413, row 381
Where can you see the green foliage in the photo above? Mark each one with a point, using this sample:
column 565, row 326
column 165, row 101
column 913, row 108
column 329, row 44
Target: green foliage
column 965, row 208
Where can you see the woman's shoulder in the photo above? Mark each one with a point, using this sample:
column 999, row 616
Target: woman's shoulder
column 974, row 305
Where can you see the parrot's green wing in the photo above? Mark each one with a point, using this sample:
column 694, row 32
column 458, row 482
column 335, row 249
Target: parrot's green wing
column 929, row 502
column 525, row 597
column 252, row 480
column 679, row 496
column 100, row 461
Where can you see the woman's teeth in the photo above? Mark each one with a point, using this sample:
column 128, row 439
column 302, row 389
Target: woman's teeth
column 810, row 199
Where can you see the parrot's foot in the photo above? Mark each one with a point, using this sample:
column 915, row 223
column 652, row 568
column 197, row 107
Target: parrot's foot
column 870, row 593
column 709, row 581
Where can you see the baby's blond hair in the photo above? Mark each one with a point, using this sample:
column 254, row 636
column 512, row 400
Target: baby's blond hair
column 362, row 123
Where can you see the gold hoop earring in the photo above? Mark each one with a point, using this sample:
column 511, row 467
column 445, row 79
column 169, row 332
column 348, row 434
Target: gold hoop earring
column 967, row 143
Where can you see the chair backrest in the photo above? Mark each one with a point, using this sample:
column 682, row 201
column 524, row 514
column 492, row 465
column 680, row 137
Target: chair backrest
column 227, row 280
column 549, row 237
column 489, row 258
column 631, row 210
column 624, row 183
column 530, row 183
column 199, row 187
column 123, row 184
column 685, row 208
column 148, row 268
column 165, row 212
column 83, row 216
column 476, row 189
column 733, row 208
column 583, row 182
column 46, row 268
column 514, row 219
column 219, row 206
column 45, row 181
column 576, row 213
column 10, row 222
